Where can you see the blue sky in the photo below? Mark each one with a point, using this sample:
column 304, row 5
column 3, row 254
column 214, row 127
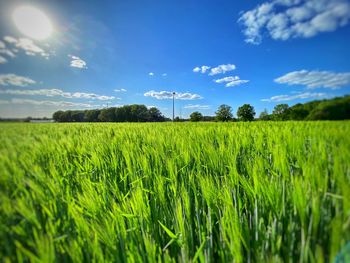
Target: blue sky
column 111, row 53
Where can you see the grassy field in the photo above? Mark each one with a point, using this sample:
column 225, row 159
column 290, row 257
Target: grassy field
column 208, row 192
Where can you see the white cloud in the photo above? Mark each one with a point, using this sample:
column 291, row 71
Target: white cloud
column 316, row 79
column 306, row 95
column 202, row 69
column 15, row 80
column 7, row 52
column 284, row 19
column 197, row 106
column 27, row 45
column 2, row 60
column 10, row 39
column 120, row 90
column 51, row 103
column 221, row 69
column 231, row 81
column 162, row 95
column 151, row 74
column 77, row 62
column 56, row 92
column 164, row 74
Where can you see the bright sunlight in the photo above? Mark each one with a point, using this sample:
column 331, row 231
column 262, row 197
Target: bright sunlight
column 32, row 22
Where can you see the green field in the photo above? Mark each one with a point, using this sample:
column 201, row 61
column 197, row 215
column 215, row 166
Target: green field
column 208, row 192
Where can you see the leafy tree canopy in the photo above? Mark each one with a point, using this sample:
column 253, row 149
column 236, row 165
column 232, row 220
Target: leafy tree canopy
column 246, row 112
column 196, row 116
column 224, row 113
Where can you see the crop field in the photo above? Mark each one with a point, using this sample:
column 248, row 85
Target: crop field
column 175, row 192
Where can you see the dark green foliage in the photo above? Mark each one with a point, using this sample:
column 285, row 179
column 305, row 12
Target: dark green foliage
column 224, row 113
column 91, row 115
column 332, row 109
column 337, row 109
column 209, row 118
column 281, row 112
column 127, row 113
column 57, row 116
column 264, row 116
column 107, row 115
column 77, row 116
column 196, row 116
column 298, row 112
column 246, row 112
column 155, row 115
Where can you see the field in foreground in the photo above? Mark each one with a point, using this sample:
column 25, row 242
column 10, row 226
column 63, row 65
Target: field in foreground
column 239, row 192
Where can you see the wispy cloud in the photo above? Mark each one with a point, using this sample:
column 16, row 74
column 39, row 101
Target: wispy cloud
column 164, row 74
column 6, row 51
column 151, row 74
column 197, row 106
column 62, row 104
column 231, row 81
column 77, row 62
column 202, row 69
column 316, row 79
column 305, row 95
column 27, row 45
column 57, row 93
column 120, row 90
column 163, row 95
column 2, row 60
column 285, row 19
column 15, row 80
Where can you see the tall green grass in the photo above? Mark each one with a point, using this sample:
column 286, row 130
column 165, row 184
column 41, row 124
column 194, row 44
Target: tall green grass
column 234, row 192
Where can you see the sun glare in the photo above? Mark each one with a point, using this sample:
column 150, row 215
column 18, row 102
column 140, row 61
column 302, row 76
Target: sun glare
column 32, row 22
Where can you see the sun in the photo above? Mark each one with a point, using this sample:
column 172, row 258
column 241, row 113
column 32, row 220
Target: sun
column 32, row 22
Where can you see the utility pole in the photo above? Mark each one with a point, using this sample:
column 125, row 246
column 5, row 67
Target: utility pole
column 173, row 105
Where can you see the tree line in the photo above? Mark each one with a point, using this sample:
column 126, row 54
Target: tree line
column 126, row 113
column 331, row 109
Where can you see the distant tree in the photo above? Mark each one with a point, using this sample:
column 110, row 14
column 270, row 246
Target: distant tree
column 209, row 118
column 139, row 113
column 155, row 115
column 264, row 116
column 122, row 114
column 224, row 113
column 335, row 109
column 281, row 112
column 298, row 112
column 28, row 119
column 246, row 112
column 77, row 116
column 66, row 116
column 57, row 116
column 196, row 116
column 91, row 115
column 107, row 115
